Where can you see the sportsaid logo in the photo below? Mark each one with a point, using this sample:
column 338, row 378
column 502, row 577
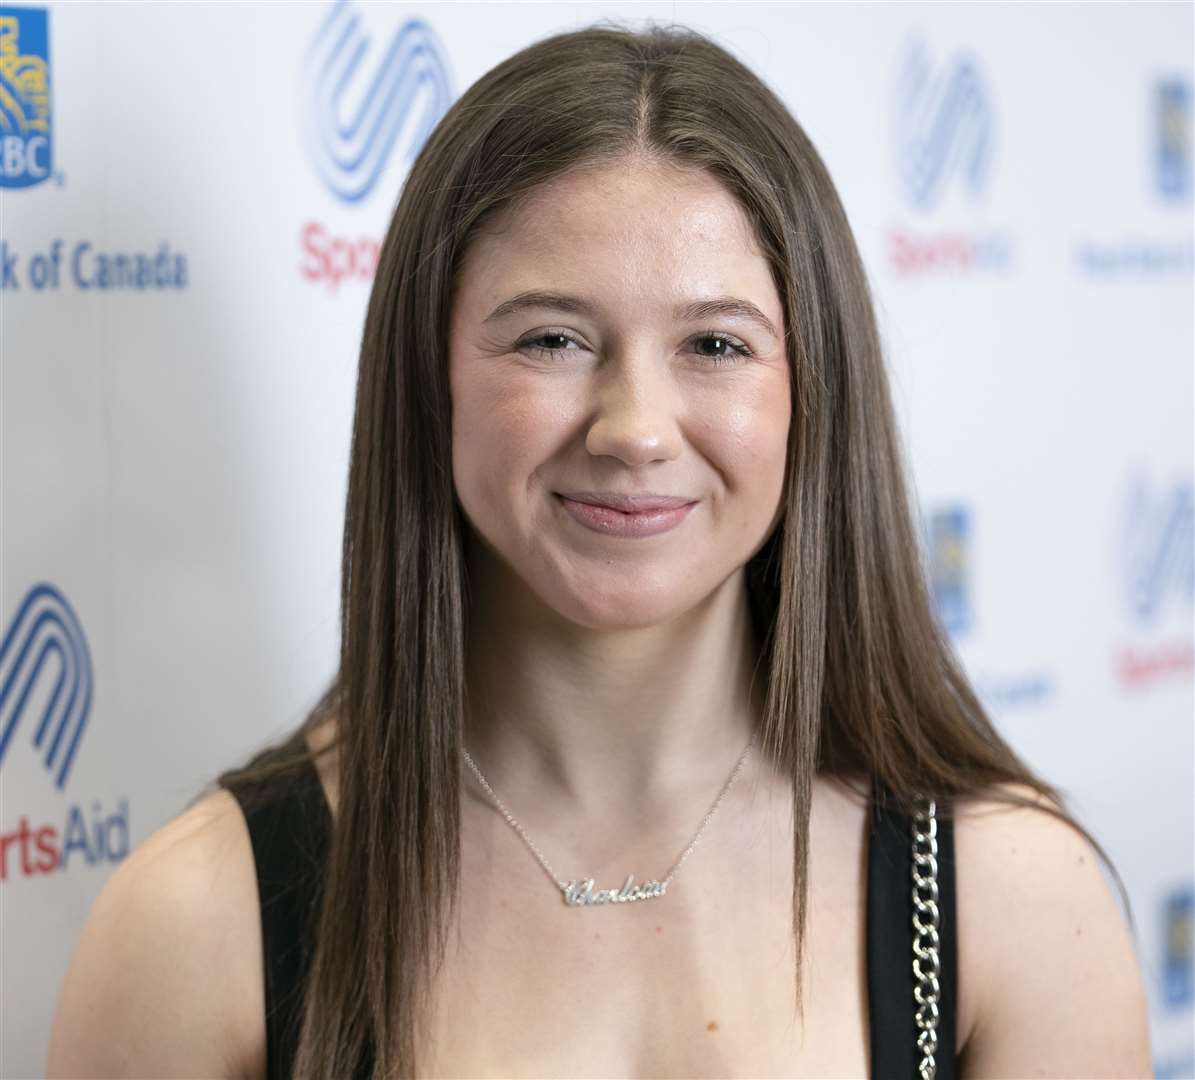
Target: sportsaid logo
column 943, row 127
column 948, row 534
column 45, row 700
column 943, row 139
column 366, row 114
column 355, row 115
column 1157, row 578
column 26, row 149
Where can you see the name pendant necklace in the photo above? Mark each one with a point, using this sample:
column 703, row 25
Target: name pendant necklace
column 580, row 891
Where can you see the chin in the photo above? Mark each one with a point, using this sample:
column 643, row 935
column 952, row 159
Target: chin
column 624, row 607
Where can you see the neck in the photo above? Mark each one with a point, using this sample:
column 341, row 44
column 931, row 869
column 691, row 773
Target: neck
column 611, row 724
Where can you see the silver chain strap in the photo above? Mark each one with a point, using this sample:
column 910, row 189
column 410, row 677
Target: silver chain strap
column 926, row 921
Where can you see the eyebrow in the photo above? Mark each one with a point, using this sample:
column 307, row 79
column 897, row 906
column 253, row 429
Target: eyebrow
column 724, row 306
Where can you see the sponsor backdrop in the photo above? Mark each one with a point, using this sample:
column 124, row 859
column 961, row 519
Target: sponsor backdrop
column 193, row 198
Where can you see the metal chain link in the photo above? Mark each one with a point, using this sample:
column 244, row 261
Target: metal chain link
column 926, row 921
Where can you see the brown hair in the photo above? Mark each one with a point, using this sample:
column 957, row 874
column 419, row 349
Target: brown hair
column 860, row 677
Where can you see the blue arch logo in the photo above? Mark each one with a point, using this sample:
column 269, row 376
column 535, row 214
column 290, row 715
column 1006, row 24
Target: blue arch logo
column 1159, row 548
column 44, row 627
column 355, row 116
column 26, row 147
column 943, row 127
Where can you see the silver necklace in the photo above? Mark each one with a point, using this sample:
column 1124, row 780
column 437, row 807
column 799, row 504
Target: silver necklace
column 580, row 891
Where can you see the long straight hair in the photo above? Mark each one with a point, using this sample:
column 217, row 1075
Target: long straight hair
column 860, row 677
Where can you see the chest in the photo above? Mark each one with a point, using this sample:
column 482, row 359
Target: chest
column 697, row 983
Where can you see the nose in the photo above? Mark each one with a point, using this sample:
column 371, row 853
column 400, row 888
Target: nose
column 635, row 413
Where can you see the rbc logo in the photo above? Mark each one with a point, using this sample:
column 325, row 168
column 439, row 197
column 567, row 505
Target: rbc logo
column 46, row 625
column 25, row 147
column 352, row 130
column 1178, row 961
column 949, row 539
column 1174, row 138
column 1159, row 563
column 943, row 126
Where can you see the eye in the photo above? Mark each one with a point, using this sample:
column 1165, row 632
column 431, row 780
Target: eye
column 737, row 349
column 734, row 350
column 551, row 335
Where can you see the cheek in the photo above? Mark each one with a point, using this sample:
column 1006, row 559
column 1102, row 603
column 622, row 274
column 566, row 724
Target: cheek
column 501, row 430
column 746, row 435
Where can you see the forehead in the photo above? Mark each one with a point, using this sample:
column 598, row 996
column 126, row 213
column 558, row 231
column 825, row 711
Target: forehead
column 618, row 229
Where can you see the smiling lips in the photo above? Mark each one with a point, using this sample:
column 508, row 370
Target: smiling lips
column 628, row 504
column 644, row 515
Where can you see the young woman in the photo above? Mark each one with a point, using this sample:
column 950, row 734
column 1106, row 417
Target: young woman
column 641, row 697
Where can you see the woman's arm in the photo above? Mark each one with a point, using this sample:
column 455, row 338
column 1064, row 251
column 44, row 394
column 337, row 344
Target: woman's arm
column 1057, row 988
column 165, row 980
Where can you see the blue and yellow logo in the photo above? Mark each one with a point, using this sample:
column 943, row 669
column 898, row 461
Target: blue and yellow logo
column 949, row 529
column 1178, row 961
column 1173, row 115
column 26, row 150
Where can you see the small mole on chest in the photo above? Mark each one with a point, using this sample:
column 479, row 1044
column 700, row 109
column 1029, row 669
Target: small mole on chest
column 712, row 1026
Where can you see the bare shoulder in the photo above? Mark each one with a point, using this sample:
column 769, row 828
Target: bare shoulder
column 165, row 979
column 1049, row 983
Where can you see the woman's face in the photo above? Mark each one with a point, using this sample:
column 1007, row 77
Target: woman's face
column 642, row 392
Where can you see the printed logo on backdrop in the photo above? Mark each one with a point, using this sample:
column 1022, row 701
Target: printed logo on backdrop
column 366, row 114
column 1176, row 979
column 1173, row 139
column 26, row 160
column 948, row 532
column 943, row 128
column 26, row 119
column 356, row 114
column 1166, row 185
column 1157, row 581
column 949, row 544
column 1178, row 951
column 45, row 702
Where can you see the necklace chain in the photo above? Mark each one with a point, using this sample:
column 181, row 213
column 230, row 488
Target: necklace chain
column 575, row 892
column 926, row 916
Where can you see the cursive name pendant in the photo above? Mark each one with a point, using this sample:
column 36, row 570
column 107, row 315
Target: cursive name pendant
column 581, row 892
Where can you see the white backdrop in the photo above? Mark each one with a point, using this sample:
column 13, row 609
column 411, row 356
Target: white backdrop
column 185, row 269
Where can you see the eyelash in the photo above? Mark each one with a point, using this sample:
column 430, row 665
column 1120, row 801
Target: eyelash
column 741, row 350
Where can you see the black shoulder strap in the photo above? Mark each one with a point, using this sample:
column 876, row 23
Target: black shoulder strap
column 890, row 977
column 289, row 833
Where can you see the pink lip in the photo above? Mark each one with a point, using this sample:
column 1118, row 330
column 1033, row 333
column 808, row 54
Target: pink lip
column 627, row 503
column 611, row 522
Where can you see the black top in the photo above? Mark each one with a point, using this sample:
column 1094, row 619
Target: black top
column 290, row 841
